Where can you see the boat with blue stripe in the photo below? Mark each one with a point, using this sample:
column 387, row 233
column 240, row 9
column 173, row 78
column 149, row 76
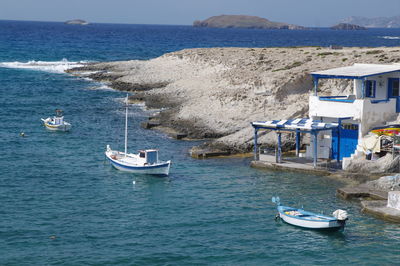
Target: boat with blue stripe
column 143, row 162
column 310, row 220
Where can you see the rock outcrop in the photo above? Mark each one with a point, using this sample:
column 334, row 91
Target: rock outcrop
column 385, row 183
column 214, row 93
column 242, row 21
column 347, row 26
column 386, row 164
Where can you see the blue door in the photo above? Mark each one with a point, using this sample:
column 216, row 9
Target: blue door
column 394, row 91
column 348, row 141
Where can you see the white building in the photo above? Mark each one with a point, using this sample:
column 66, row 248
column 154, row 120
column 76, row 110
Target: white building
column 338, row 123
column 374, row 101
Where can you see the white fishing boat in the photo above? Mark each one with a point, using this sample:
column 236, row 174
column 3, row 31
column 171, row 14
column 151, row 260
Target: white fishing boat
column 56, row 123
column 143, row 162
column 310, row 220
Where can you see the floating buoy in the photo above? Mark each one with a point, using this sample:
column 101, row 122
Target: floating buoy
column 133, row 182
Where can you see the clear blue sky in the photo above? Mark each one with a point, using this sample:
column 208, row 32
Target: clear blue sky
column 183, row 12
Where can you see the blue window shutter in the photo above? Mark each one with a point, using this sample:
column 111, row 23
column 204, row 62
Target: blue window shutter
column 367, row 91
column 370, row 88
column 374, row 88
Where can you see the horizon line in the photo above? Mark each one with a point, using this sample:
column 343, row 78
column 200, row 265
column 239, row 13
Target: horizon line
column 155, row 24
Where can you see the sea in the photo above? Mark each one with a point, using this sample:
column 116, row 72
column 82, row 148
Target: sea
column 61, row 203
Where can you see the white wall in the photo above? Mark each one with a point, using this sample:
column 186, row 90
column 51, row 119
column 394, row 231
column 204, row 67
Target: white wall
column 382, row 84
column 377, row 114
column 381, row 87
column 362, row 110
column 334, row 109
column 358, row 88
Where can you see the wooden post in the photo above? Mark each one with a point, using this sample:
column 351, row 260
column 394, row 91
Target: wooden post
column 255, row 144
column 315, row 155
column 279, row 147
column 297, row 143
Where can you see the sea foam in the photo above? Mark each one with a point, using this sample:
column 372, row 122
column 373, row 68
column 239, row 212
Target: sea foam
column 390, row 37
column 48, row 66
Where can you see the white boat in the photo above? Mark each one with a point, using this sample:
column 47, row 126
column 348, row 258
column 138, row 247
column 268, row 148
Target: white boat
column 144, row 162
column 56, row 123
column 310, row 220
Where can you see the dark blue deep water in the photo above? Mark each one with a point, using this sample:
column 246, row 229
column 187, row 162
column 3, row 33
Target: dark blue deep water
column 61, row 204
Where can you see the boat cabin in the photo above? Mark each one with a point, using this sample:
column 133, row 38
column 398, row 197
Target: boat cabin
column 373, row 100
column 150, row 156
column 58, row 120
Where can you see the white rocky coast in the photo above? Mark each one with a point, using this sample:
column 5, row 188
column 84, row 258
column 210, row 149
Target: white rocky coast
column 214, row 93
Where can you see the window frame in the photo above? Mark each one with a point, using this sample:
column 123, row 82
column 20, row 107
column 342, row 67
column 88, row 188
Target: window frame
column 370, row 88
column 398, row 87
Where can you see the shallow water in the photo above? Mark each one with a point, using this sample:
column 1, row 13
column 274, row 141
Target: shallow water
column 62, row 204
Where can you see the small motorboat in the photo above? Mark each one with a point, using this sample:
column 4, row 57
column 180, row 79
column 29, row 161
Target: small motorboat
column 56, row 123
column 390, row 130
column 144, row 162
column 310, row 220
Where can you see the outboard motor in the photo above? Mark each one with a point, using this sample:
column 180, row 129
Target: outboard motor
column 341, row 215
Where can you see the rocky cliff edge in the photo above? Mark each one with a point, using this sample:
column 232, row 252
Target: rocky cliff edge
column 214, row 93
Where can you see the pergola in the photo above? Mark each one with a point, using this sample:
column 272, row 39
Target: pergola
column 299, row 125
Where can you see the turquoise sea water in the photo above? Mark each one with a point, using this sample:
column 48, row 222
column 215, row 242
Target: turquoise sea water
column 61, row 204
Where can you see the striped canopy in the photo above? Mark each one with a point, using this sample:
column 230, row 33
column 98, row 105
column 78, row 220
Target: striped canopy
column 293, row 124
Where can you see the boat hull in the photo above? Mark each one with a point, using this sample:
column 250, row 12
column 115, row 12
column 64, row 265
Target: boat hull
column 391, row 130
column 310, row 220
column 160, row 169
column 63, row 127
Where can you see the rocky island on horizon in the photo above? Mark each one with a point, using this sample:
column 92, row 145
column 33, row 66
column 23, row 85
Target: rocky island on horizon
column 76, row 22
column 347, row 26
column 378, row 22
column 243, row 21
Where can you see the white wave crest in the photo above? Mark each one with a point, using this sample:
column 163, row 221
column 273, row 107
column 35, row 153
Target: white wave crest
column 101, row 87
column 48, row 66
column 390, row 37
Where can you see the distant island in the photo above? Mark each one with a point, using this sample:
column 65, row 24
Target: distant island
column 347, row 26
column 76, row 22
column 243, row 21
column 379, row 22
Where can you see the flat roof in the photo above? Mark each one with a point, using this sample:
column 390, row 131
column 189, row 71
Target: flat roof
column 357, row 71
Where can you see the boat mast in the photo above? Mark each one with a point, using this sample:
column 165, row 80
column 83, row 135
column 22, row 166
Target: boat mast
column 126, row 125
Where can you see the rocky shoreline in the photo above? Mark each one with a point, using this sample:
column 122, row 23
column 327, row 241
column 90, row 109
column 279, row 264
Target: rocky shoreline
column 214, row 93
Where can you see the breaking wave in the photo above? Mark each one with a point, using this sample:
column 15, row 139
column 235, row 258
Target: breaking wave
column 390, row 37
column 48, row 66
column 101, row 87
